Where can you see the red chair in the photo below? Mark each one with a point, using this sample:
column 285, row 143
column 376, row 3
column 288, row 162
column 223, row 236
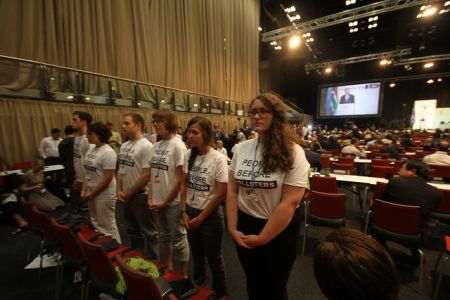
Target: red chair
column 325, row 153
column 381, row 171
column 324, row 184
column 442, row 211
column 400, row 224
column 323, row 209
column 379, row 189
column 441, row 171
column 23, row 165
column 381, row 162
column 33, row 223
column 444, row 264
column 325, row 162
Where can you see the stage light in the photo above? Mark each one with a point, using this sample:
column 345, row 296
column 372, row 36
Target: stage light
column 392, row 85
column 439, row 80
column 195, row 104
column 351, row 24
column 69, row 97
column 87, row 98
column 385, row 62
column 306, row 35
column 277, row 48
column 328, row 70
column 296, row 17
column 430, row 81
column 428, row 65
column 273, row 43
column 447, row 3
column 289, row 9
column 426, row 11
column 259, row 28
column 353, row 30
column 408, row 67
column 350, row 2
column 139, row 103
column 294, row 41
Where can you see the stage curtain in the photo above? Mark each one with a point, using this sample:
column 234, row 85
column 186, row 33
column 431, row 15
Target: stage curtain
column 23, row 123
column 204, row 46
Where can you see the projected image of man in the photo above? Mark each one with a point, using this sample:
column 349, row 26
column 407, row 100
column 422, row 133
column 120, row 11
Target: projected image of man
column 347, row 97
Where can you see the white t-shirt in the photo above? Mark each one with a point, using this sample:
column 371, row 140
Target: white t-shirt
column 206, row 170
column 134, row 156
column 80, row 148
column 166, row 156
column 260, row 193
column 96, row 161
column 223, row 151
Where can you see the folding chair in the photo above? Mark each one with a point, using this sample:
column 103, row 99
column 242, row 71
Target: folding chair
column 381, row 171
column 442, row 211
column 324, row 184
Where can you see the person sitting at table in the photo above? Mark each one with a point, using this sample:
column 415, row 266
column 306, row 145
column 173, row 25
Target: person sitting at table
column 351, row 265
column 33, row 186
column 354, row 149
column 312, row 157
column 440, row 157
column 387, row 147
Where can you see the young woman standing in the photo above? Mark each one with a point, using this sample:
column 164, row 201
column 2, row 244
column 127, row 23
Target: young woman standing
column 164, row 188
column 204, row 188
column 267, row 181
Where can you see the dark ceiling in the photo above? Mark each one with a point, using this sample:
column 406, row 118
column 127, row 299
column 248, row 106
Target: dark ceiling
column 396, row 29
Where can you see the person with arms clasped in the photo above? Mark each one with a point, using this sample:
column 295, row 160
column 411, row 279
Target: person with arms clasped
column 99, row 187
column 267, row 180
column 166, row 178
column 204, row 188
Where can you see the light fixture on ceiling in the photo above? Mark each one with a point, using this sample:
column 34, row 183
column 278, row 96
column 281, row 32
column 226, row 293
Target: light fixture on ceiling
column 195, row 104
column 352, row 30
column 439, row 79
column 428, row 65
column 350, row 2
column 408, row 67
column 392, row 85
column 69, row 97
column 293, row 18
column 277, row 48
column 273, row 43
column 426, row 11
column 139, row 103
column 294, row 41
column 430, row 81
column 87, row 98
column 289, row 9
column 352, row 24
column 328, row 70
column 373, row 25
column 385, row 62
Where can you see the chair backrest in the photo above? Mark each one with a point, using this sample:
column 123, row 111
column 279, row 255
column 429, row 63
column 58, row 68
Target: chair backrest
column 441, row 170
column 44, row 222
column 349, row 168
column 27, row 206
column 325, row 153
column 444, row 205
column 325, row 162
column 381, row 171
column 381, row 162
column 324, row 184
column 22, row 165
column 397, row 218
column 346, row 160
column 140, row 286
column 70, row 243
column 379, row 189
column 98, row 261
column 326, row 205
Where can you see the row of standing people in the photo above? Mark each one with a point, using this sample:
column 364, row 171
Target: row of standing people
column 171, row 195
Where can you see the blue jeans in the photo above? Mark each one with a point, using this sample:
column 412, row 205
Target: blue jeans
column 206, row 242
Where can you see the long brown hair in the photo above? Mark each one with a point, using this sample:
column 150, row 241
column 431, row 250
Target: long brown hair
column 279, row 140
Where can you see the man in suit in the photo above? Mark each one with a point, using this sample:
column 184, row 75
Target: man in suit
column 347, row 98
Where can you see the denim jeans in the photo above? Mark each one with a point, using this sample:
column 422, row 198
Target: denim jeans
column 206, row 242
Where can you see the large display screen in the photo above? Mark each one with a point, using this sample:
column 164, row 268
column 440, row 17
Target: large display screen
column 350, row 100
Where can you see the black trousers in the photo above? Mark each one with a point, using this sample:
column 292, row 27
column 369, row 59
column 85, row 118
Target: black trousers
column 206, row 242
column 267, row 267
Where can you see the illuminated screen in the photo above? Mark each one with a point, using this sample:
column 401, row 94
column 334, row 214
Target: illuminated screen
column 350, row 100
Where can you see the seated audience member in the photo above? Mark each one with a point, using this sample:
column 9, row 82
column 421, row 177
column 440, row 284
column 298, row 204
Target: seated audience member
column 387, row 139
column 440, row 157
column 312, row 157
column 411, row 188
column 374, row 141
column 332, row 144
column 388, row 148
column 428, row 145
column 354, row 149
column 407, row 141
column 33, row 186
column 349, row 265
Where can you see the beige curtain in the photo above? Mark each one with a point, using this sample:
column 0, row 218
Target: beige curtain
column 23, row 123
column 204, row 46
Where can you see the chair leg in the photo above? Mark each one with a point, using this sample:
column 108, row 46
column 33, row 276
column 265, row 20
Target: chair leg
column 59, row 275
column 366, row 226
column 438, row 284
column 41, row 256
column 421, row 271
column 305, row 233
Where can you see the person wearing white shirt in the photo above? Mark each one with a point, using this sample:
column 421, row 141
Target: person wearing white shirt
column 48, row 147
column 354, row 149
column 99, row 187
column 204, row 188
column 267, row 180
column 132, row 178
column 220, row 148
column 440, row 157
column 166, row 178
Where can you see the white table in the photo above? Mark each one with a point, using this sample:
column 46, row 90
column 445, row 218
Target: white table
column 50, row 168
column 6, row 173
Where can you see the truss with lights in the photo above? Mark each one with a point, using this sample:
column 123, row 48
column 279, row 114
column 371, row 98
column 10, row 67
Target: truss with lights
column 357, row 59
column 422, row 59
column 343, row 17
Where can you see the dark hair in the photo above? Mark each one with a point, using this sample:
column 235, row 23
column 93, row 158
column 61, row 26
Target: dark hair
column 207, row 133
column 137, row 119
column 101, row 131
column 350, row 265
column 55, row 130
column 354, row 141
column 420, row 168
column 84, row 116
column 443, row 146
column 168, row 117
column 70, row 130
column 109, row 124
column 280, row 140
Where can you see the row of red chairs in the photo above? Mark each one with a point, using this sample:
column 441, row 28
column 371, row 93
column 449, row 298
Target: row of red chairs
column 85, row 249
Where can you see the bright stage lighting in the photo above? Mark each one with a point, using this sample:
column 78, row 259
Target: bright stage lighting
column 428, row 65
column 392, row 85
column 294, row 41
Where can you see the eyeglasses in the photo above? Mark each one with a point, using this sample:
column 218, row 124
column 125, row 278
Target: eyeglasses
column 261, row 112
